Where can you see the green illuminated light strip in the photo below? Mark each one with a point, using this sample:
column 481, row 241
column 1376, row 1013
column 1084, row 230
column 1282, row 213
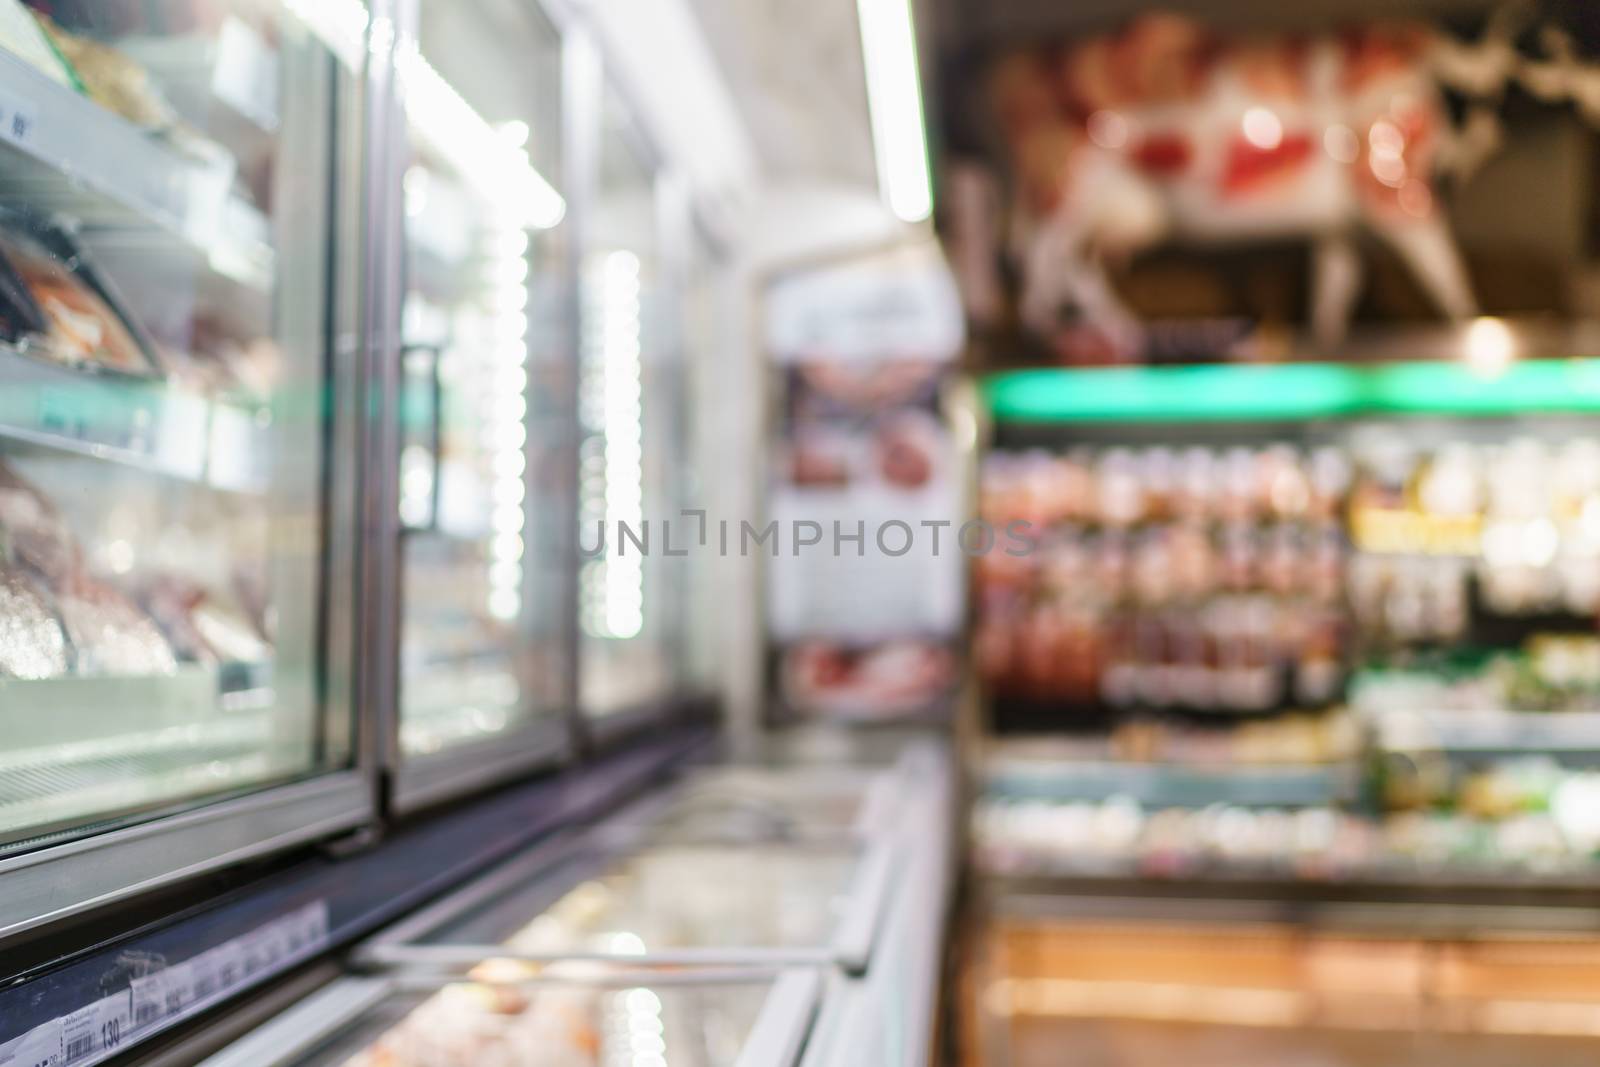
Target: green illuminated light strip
column 1288, row 392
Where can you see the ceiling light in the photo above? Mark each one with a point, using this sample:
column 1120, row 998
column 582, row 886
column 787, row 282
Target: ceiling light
column 894, row 97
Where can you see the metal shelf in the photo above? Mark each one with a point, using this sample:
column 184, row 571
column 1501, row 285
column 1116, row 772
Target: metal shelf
column 136, row 422
column 62, row 153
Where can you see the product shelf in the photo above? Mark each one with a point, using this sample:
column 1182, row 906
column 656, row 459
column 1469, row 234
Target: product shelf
column 84, row 755
column 138, row 423
column 1174, row 784
column 61, row 153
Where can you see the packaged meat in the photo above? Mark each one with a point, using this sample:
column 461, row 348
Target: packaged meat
column 202, row 626
column 228, row 633
column 32, row 645
column 475, row 1024
column 110, row 634
column 21, row 317
column 33, row 532
column 83, row 320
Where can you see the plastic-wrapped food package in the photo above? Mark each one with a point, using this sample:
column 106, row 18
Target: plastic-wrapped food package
column 111, row 635
column 75, row 314
column 111, row 79
column 488, row 1026
column 32, row 531
column 202, row 626
column 32, row 645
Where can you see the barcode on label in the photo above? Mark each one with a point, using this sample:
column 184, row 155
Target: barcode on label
column 79, row 1047
column 145, row 1012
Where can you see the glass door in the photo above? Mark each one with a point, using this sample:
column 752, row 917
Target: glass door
column 632, row 461
column 483, row 482
column 173, row 608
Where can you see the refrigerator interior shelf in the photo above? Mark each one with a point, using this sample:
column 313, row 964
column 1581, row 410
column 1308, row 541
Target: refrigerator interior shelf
column 1488, row 731
column 62, row 153
column 230, row 77
column 136, row 422
column 70, row 749
column 1175, row 785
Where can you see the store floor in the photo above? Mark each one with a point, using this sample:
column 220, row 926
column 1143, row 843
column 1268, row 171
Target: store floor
column 1118, row 1043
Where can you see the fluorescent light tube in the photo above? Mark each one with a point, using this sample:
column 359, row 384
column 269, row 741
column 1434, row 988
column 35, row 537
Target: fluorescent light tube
column 894, row 97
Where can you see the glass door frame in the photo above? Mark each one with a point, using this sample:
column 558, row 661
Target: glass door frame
column 320, row 309
column 413, row 783
column 676, row 226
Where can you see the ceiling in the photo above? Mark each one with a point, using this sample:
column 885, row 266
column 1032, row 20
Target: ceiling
column 795, row 70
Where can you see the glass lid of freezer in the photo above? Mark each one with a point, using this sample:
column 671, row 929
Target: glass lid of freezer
column 484, row 461
column 772, row 802
column 166, row 436
column 559, row 1016
column 676, row 901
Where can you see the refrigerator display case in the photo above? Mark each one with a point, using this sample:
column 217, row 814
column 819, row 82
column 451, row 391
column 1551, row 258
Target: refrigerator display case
column 1357, row 649
column 632, row 595
column 483, row 499
column 556, row 1015
column 664, row 899
column 176, row 474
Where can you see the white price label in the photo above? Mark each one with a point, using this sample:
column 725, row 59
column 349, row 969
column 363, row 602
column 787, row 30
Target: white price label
column 174, row 991
column 162, row 995
column 39, row 1047
column 98, row 1030
column 90, row 1033
column 95, row 1031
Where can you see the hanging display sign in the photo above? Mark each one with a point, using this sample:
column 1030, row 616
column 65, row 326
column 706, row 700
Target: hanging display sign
column 865, row 579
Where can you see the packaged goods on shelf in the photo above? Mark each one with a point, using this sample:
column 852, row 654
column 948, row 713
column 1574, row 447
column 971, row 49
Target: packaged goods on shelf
column 101, row 629
column 1547, row 673
column 1515, row 524
column 1184, row 578
column 1119, row 837
column 204, row 626
column 568, row 1020
column 111, row 79
column 33, row 531
column 59, row 306
column 110, row 634
column 1295, row 739
column 32, row 644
